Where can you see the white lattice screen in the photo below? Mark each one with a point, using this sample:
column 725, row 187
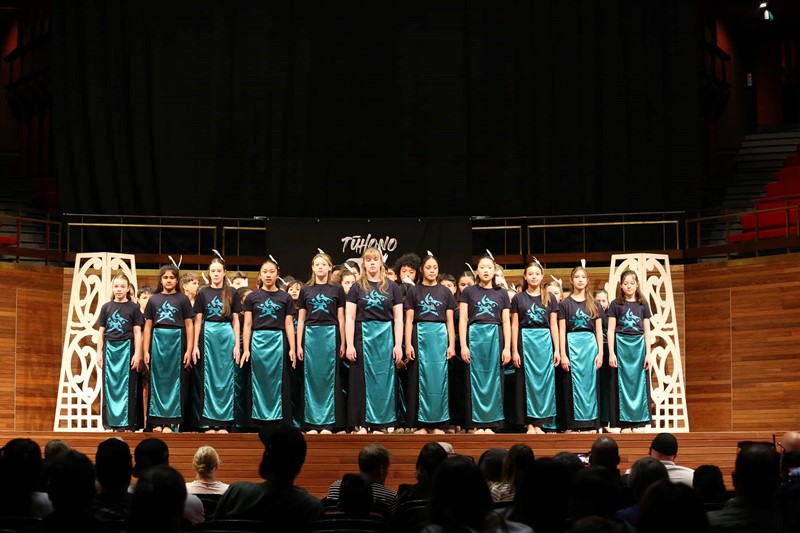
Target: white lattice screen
column 80, row 385
column 666, row 378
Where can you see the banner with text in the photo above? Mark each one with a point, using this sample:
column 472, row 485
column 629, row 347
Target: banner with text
column 294, row 241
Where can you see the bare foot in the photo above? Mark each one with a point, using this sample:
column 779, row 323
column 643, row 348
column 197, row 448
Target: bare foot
column 538, row 430
column 361, row 431
column 223, row 430
column 326, row 432
column 312, row 432
column 208, row 430
column 166, row 429
column 438, row 432
column 157, row 429
column 479, row 431
column 488, row 431
column 422, row 431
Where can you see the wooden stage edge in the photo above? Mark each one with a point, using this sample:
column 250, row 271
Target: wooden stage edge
column 331, row 456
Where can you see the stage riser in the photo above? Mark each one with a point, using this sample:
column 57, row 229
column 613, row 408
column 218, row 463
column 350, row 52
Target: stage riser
column 331, row 456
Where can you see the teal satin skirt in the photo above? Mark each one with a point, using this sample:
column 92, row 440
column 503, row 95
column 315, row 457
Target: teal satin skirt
column 582, row 346
column 218, row 363
column 122, row 398
column 433, row 390
column 166, row 376
column 485, row 375
column 320, row 358
column 267, row 354
column 539, row 372
column 634, row 402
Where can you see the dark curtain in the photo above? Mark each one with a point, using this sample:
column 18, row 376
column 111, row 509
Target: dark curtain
column 376, row 108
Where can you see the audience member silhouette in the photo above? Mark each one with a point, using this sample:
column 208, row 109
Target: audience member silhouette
column 644, row 472
column 668, row 507
column 114, row 468
column 355, row 496
column 540, row 500
column 572, row 463
column 158, row 501
column 20, row 481
column 591, row 492
column 71, row 487
column 430, row 457
column 664, row 447
column 373, row 463
column 152, row 452
column 206, row 463
column 520, row 457
column 709, row 485
column 790, row 441
column 490, row 463
column 461, row 501
column 277, row 502
column 756, row 478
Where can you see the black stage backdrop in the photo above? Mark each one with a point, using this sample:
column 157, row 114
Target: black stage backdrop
column 376, row 108
column 293, row 242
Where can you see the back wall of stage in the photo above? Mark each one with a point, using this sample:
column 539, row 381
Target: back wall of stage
column 737, row 325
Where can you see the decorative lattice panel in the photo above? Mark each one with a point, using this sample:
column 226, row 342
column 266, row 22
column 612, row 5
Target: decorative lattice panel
column 80, row 386
column 666, row 375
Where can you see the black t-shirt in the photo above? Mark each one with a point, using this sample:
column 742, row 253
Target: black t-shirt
column 119, row 319
column 168, row 310
column 630, row 317
column 373, row 304
column 485, row 306
column 322, row 303
column 576, row 315
column 269, row 308
column 531, row 312
column 209, row 302
column 429, row 302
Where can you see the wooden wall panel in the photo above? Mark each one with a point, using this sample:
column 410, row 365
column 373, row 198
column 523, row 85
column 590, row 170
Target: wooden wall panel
column 707, row 363
column 40, row 341
column 31, row 338
column 744, row 374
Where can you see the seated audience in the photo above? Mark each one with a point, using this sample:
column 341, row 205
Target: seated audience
column 113, row 468
column 158, row 501
column 373, row 463
column 277, row 502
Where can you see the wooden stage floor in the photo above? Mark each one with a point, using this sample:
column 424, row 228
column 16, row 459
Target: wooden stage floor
column 330, row 456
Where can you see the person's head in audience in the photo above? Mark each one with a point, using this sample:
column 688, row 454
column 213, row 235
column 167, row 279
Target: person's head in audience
column 709, row 484
column 790, row 441
column 645, row 472
column 591, row 492
column 113, row 465
column 756, row 474
column 430, row 457
column 206, row 462
column 539, row 500
column 55, row 447
column 664, row 447
column 158, row 500
column 20, row 469
column 520, row 457
column 572, row 463
column 355, row 496
column 490, row 464
column 284, row 454
column 668, row 507
column 460, row 497
column 148, row 453
column 71, row 484
column 447, row 447
column 374, row 461
column 605, row 453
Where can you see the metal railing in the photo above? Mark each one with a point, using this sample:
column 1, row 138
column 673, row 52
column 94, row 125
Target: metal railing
column 556, row 240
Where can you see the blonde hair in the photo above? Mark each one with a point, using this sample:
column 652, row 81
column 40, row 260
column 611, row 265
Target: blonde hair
column 121, row 275
column 313, row 280
column 363, row 281
column 206, row 460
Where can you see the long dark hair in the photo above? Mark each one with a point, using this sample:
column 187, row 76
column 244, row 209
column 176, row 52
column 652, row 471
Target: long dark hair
column 460, row 496
column 163, row 270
